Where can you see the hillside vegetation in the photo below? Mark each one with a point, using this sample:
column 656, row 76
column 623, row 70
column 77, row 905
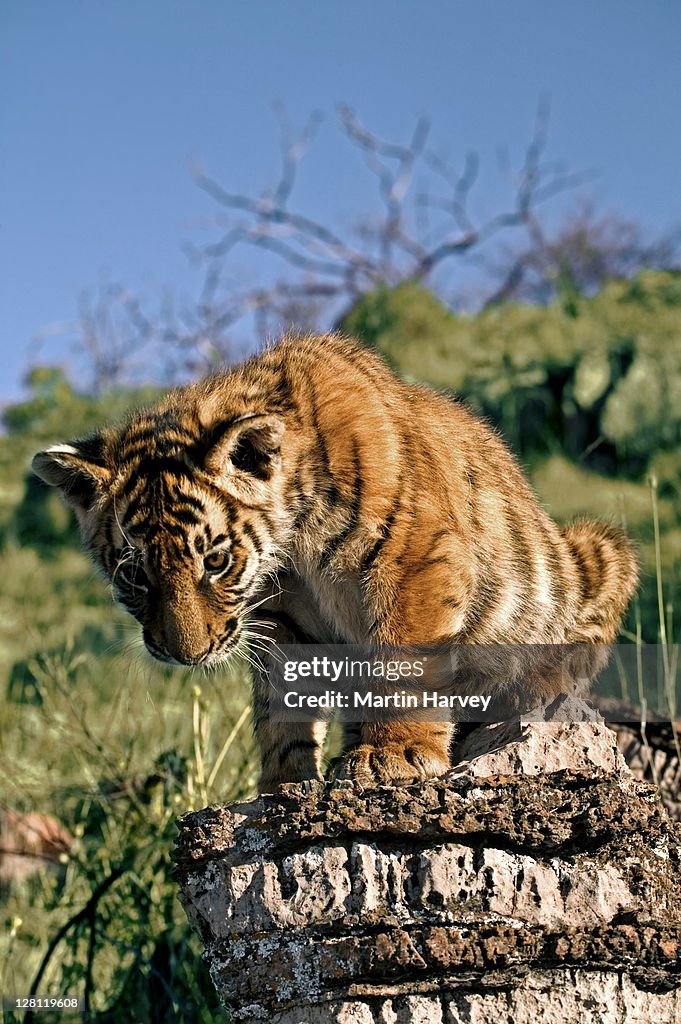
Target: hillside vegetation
column 587, row 391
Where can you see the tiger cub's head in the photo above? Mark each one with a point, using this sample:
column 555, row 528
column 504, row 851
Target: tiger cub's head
column 185, row 520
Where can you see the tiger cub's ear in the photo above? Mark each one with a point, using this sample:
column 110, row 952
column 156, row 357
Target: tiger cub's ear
column 249, row 445
column 77, row 469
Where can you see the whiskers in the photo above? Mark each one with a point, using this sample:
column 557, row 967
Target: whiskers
column 129, row 646
column 124, row 535
column 127, row 555
column 257, row 604
column 253, row 643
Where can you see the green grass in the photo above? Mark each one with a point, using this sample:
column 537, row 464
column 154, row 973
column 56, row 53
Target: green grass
column 115, row 747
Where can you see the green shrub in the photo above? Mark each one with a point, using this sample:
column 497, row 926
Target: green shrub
column 598, row 379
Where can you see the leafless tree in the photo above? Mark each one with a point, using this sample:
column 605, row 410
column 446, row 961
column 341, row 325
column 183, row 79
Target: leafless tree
column 110, row 339
column 311, row 271
column 112, row 331
column 412, row 233
column 579, row 255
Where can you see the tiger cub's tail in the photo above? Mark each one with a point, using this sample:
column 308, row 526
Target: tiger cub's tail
column 608, row 571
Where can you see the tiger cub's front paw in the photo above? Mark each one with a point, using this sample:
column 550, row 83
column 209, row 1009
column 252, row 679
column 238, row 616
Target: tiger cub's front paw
column 392, row 764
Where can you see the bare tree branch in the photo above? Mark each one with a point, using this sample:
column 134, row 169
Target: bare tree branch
column 314, row 269
column 391, row 248
column 579, row 255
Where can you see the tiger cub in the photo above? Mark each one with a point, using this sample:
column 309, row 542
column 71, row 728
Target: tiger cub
column 343, row 505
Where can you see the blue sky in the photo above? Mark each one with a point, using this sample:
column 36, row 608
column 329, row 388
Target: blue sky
column 104, row 106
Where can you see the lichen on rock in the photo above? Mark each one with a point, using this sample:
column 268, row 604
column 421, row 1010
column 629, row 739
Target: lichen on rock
column 537, row 881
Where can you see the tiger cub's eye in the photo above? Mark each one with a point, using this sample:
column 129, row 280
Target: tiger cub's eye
column 217, row 561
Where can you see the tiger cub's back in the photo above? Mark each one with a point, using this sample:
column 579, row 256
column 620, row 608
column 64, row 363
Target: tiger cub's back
column 427, row 505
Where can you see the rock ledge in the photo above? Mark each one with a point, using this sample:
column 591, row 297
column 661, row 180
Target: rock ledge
column 539, row 880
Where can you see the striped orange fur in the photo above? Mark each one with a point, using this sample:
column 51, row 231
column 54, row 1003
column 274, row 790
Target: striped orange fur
column 343, row 504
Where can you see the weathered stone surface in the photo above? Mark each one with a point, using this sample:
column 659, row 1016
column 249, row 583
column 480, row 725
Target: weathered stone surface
column 653, row 755
column 573, row 737
column 538, row 881
column 552, row 997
